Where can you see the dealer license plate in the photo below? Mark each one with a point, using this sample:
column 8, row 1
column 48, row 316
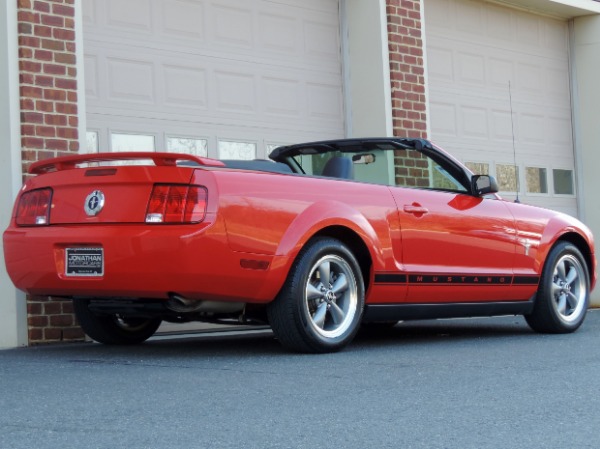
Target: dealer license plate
column 84, row 262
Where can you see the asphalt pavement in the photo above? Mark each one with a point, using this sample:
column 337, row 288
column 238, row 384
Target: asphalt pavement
column 477, row 383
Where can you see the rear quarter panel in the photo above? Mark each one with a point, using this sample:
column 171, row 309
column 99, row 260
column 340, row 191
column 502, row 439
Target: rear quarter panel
column 275, row 214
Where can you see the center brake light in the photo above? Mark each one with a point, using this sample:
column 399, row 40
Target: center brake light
column 176, row 203
column 34, row 208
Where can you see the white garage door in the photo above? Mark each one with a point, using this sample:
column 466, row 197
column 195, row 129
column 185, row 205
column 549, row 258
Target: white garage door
column 474, row 49
column 226, row 78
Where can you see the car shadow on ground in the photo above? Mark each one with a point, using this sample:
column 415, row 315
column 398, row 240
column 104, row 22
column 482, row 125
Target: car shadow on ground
column 435, row 331
column 262, row 343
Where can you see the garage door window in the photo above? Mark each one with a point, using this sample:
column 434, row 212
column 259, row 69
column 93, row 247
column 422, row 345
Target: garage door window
column 536, row 180
column 91, row 141
column 563, row 182
column 237, row 150
column 132, row 142
column 479, row 168
column 196, row 147
column 508, row 176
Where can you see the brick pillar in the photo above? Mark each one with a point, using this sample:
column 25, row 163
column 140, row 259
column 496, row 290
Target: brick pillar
column 407, row 71
column 48, row 89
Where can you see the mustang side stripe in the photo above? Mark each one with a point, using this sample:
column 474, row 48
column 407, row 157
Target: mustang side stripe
column 454, row 279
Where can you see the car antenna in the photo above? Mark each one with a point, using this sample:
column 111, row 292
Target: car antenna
column 512, row 127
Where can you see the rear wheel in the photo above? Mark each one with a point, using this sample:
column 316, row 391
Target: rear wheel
column 563, row 295
column 320, row 306
column 114, row 329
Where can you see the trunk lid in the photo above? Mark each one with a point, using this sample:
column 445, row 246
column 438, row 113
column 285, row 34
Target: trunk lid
column 117, row 195
column 108, row 193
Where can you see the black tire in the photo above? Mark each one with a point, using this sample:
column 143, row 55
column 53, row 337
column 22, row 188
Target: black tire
column 114, row 329
column 563, row 295
column 315, row 316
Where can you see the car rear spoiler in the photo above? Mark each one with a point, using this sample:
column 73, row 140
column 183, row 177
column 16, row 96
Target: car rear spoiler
column 159, row 159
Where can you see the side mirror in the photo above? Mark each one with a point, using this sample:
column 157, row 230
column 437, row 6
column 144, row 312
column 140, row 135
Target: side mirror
column 483, row 184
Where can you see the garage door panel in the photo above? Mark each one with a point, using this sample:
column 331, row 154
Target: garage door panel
column 92, row 88
column 443, row 116
column 278, row 32
column 528, row 30
column 500, row 70
column 556, row 35
column 183, row 19
column 532, row 128
column 499, row 23
column 321, row 39
column 186, row 86
column 296, row 7
column 473, row 122
column 560, row 132
column 469, row 17
column 231, row 24
column 471, row 68
column 235, row 92
column 282, row 96
column 132, row 14
column 557, row 83
column 500, row 125
column 440, row 63
column 130, row 81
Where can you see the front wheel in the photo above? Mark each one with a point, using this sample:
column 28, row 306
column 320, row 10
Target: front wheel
column 320, row 306
column 563, row 295
column 114, row 329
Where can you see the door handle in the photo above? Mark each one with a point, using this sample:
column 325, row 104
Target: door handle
column 415, row 209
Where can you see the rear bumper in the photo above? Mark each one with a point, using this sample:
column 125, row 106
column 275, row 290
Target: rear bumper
column 141, row 261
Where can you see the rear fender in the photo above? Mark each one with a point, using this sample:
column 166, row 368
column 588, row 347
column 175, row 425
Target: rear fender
column 324, row 214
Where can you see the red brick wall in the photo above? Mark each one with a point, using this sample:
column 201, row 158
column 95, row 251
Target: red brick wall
column 51, row 320
column 48, row 82
column 407, row 71
column 412, row 169
column 48, row 88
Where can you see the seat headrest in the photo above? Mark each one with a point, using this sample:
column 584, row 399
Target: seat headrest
column 339, row 167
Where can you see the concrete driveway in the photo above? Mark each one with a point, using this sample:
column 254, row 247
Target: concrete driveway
column 480, row 383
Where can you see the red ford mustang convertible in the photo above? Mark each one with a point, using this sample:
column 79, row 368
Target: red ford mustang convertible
column 320, row 239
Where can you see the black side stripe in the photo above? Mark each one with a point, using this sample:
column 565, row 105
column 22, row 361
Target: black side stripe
column 526, row 280
column 391, row 278
column 454, row 279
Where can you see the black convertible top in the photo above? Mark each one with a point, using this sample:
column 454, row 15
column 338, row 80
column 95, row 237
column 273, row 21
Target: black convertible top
column 348, row 146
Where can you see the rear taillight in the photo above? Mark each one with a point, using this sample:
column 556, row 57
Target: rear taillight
column 34, row 208
column 171, row 203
